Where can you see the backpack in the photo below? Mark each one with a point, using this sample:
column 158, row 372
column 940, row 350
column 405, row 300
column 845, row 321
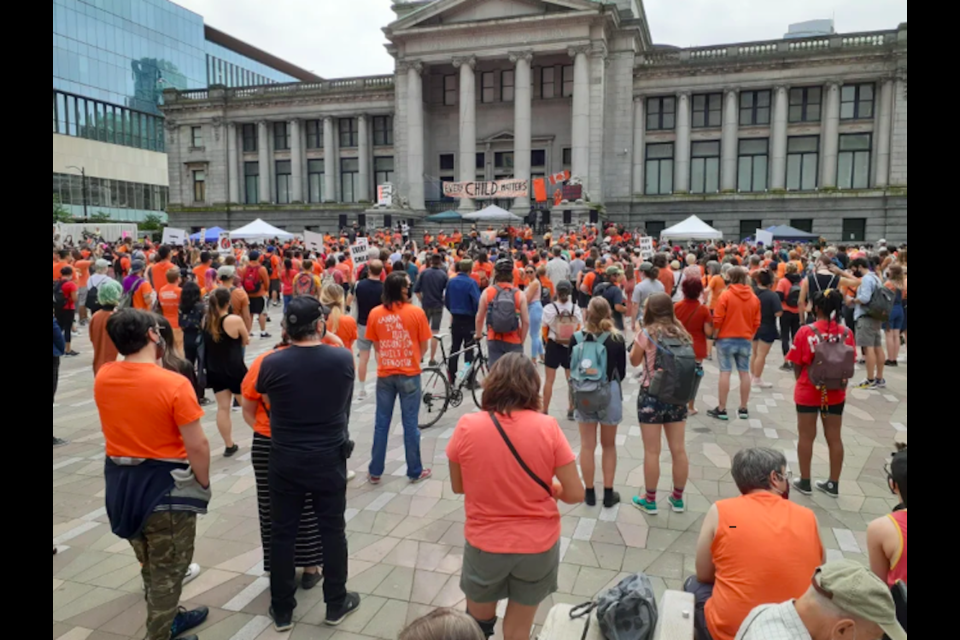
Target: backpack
column 598, row 282
column 881, row 303
column 328, row 278
column 251, row 279
column 503, row 317
column 676, row 374
column 268, row 265
column 833, row 361
column 545, row 297
column 59, row 297
column 588, row 373
column 92, row 303
column 126, row 302
column 305, row 285
column 628, row 611
column 566, row 326
column 793, row 296
column 192, row 321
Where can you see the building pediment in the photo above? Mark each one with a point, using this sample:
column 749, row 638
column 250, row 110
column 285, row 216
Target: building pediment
column 462, row 11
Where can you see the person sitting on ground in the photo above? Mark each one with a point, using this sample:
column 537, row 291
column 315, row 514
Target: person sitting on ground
column 443, row 624
column 755, row 549
column 844, row 601
column 887, row 536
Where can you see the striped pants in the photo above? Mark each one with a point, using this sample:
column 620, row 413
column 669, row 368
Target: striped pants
column 309, row 551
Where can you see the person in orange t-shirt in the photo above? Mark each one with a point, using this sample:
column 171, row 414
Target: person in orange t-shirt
column 338, row 322
column 81, row 268
column 158, row 272
column 400, row 333
column 61, row 260
column 169, row 299
column 275, row 286
column 499, row 344
column 200, row 271
column 144, row 296
column 736, row 319
column 260, row 289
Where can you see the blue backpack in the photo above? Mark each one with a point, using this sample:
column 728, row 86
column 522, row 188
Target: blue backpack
column 588, row 373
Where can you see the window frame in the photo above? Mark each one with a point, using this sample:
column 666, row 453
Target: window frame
column 802, row 157
column 857, row 156
column 354, row 180
column 315, row 139
column 566, row 156
column 254, row 138
column 383, row 176
column 450, row 94
column 566, row 87
column 707, row 111
column 533, row 155
column 858, row 101
column 710, row 170
column 660, row 113
column 860, row 222
column 320, row 180
column 199, row 185
column 803, row 224
column 196, row 137
column 755, row 109
column 453, row 162
column 648, row 160
column 281, row 136
column 507, row 88
column 251, row 181
column 349, row 131
column 383, row 131
column 804, row 105
column 283, row 183
column 544, row 83
column 485, row 97
column 741, row 155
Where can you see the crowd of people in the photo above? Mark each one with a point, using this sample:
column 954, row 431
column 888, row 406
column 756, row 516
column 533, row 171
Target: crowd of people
column 166, row 324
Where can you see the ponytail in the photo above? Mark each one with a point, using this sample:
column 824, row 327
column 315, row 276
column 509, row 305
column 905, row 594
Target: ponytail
column 829, row 303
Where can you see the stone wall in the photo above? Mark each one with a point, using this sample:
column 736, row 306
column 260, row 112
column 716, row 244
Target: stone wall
column 898, row 150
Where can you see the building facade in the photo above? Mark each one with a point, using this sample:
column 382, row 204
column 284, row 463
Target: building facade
column 112, row 59
column 804, row 131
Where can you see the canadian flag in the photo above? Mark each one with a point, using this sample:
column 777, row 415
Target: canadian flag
column 557, row 178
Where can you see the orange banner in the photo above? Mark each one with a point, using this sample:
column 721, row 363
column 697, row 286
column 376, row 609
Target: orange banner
column 540, row 189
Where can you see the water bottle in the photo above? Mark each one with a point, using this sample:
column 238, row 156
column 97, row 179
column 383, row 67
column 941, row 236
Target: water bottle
column 464, row 372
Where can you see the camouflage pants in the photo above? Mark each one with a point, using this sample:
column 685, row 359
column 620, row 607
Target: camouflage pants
column 165, row 550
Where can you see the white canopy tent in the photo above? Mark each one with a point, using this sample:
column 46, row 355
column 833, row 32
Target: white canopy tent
column 260, row 230
column 693, row 228
column 493, row 213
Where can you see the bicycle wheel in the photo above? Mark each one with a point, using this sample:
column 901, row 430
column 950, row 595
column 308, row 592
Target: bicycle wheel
column 434, row 397
column 478, row 374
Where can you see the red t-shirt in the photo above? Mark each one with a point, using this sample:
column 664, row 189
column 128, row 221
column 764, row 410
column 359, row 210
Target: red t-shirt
column 69, row 287
column 693, row 316
column 801, row 354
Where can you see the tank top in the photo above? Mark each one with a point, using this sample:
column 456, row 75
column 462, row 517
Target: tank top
column 224, row 357
column 898, row 567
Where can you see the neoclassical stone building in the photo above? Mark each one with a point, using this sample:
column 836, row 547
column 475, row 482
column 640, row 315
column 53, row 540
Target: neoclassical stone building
column 810, row 132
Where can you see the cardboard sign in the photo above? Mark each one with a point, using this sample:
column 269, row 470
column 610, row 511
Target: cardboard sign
column 313, row 241
column 481, row 190
column 764, row 237
column 203, row 236
column 540, row 190
column 646, row 247
column 385, row 195
column 224, row 245
column 360, row 252
column 174, row 237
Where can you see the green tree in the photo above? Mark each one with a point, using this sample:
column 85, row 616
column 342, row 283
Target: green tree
column 60, row 214
column 101, row 217
column 152, row 222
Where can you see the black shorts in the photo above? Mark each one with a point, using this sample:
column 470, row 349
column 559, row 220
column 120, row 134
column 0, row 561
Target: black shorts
column 557, row 356
column 766, row 334
column 256, row 305
column 275, row 286
column 435, row 316
column 832, row 410
column 218, row 382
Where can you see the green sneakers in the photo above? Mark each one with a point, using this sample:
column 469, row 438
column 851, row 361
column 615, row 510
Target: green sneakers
column 649, row 508
column 677, row 505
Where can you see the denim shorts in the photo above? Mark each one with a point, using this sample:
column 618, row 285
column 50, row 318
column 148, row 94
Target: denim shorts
column 734, row 351
column 362, row 343
column 612, row 415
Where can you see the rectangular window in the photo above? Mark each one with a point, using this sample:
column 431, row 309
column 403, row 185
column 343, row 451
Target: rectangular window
column 315, row 180
column 538, row 158
column 348, row 134
column 349, row 180
column 446, row 162
column 506, row 86
column 707, row 110
column 854, row 229
column 547, row 82
column 481, row 161
column 749, row 228
column 284, row 175
column 654, row 228
column 450, row 90
column 199, row 186
column 383, row 170
column 803, row 224
column 853, row 163
column 856, row 101
column 196, row 137
column 659, row 169
column 803, row 162
column 314, row 134
column 249, row 138
column 281, row 136
column 567, row 156
column 383, row 131
column 251, row 182
column 754, row 108
column 752, row 168
column 705, row 167
column 503, row 160
column 806, row 104
column 661, row 114
column 487, row 87
column 567, row 75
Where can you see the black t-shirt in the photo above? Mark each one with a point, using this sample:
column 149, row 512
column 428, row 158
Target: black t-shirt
column 614, row 295
column 310, row 390
column 769, row 307
column 368, row 293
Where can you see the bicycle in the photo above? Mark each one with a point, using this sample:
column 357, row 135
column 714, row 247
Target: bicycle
column 439, row 393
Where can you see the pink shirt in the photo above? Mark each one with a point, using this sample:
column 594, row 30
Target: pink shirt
column 507, row 511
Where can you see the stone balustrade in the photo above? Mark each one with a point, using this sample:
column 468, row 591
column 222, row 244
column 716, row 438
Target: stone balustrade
column 326, row 86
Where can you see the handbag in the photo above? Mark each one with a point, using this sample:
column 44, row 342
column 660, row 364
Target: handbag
column 516, row 455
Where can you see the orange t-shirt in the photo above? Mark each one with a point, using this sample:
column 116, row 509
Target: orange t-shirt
column 200, row 273
column 506, row 511
column 140, row 296
column 588, row 280
column 398, row 333
column 666, row 278
column 264, row 281
column 249, row 391
column 347, row 331
column 82, row 268
column 57, row 266
column 717, row 286
column 104, row 350
column 169, row 298
column 514, row 336
column 275, row 263
column 158, row 274
column 769, row 556
column 142, row 407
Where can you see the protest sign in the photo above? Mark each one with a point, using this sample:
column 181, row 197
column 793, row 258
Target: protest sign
column 491, row 189
column 764, row 237
column 313, row 241
column 360, row 252
column 224, row 245
column 174, row 237
column 385, row 195
column 646, row 247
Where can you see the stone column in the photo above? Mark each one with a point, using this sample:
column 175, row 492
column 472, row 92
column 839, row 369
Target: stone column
column 778, row 164
column 364, row 155
column 296, row 162
column 263, row 146
column 729, row 140
column 233, row 164
column 581, row 113
column 415, row 131
column 681, row 170
column 468, row 125
column 831, row 137
column 522, row 124
column 885, row 133
column 329, row 162
column 639, row 143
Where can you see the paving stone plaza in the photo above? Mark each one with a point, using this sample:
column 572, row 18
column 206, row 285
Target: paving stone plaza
column 406, row 541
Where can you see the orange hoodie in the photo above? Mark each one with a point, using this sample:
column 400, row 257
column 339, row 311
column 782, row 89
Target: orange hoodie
column 737, row 314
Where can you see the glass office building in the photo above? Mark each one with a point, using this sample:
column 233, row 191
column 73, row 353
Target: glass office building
column 112, row 59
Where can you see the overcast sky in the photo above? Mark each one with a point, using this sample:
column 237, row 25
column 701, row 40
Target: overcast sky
column 342, row 38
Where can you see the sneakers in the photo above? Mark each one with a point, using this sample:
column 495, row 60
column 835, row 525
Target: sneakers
column 192, row 572
column 891, row 363
column 336, row 615
column 423, row 476
column 677, row 505
column 281, row 622
column 72, row 354
column 803, row 486
column 59, row 442
column 570, row 415
column 590, row 497
column 760, row 384
column 867, row 385
column 787, row 366
column 610, row 499
column 360, row 397
column 828, row 487
column 882, row 383
column 187, row 620
column 718, row 413
column 374, row 480
column 229, row 452
column 743, row 413
column 310, row 580
column 649, row 508
column 264, row 334
column 205, row 402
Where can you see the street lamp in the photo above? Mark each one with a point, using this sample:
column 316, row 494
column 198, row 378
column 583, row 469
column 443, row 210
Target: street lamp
column 83, row 186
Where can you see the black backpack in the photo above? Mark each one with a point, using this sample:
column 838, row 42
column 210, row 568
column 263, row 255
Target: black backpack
column 545, row 297
column 793, row 296
column 92, row 303
column 59, row 297
column 600, row 280
column 268, row 265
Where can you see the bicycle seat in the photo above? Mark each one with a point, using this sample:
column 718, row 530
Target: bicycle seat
column 439, row 336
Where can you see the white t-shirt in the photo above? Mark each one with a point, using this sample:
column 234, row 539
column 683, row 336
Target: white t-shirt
column 553, row 310
column 96, row 280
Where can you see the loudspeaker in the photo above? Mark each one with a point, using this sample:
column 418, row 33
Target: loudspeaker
column 594, row 216
column 362, row 219
column 567, row 216
column 545, row 218
column 388, row 221
column 343, row 221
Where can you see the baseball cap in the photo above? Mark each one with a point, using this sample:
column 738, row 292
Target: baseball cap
column 564, row 286
column 302, row 311
column 226, row 271
column 614, row 271
column 646, row 266
column 856, row 590
column 136, row 266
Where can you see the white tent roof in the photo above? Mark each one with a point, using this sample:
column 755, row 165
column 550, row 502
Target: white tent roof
column 260, row 230
column 493, row 213
column 693, row 228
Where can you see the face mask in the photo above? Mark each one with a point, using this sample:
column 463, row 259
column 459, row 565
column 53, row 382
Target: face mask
column 161, row 346
column 785, row 494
